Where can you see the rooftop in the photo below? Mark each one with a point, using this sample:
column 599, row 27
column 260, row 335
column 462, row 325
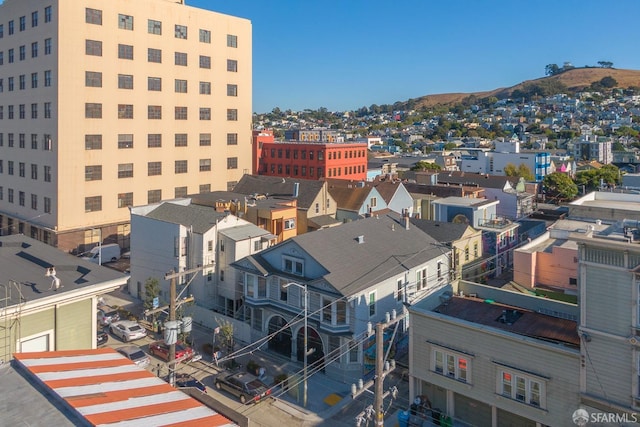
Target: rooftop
column 511, row 319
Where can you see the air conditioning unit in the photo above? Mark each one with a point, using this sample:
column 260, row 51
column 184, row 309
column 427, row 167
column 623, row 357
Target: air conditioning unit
column 634, row 340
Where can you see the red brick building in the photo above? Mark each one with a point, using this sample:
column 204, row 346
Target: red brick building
column 308, row 160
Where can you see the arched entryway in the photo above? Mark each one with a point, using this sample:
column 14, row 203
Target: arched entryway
column 281, row 342
column 315, row 352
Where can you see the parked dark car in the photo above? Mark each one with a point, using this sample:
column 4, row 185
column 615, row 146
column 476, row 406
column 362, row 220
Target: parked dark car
column 101, row 338
column 187, row 381
column 245, row 386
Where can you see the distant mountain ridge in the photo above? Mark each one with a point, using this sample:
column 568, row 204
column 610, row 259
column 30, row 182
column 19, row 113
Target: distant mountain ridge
column 574, row 79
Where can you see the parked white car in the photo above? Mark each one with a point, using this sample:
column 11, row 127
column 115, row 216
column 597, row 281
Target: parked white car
column 127, row 330
column 135, row 354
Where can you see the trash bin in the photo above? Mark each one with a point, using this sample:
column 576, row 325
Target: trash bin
column 403, row 419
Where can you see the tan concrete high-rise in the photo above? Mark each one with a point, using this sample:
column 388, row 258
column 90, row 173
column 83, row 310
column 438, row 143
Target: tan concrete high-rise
column 109, row 104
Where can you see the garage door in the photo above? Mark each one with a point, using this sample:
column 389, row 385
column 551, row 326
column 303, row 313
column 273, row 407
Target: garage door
column 40, row 343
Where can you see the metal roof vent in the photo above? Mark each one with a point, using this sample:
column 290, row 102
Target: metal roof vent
column 360, row 239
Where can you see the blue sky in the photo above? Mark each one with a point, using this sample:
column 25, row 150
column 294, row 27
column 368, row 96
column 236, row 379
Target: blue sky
column 345, row 54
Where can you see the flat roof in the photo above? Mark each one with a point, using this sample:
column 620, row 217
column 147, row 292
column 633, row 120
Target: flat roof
column 464, row 201
column 528, row 322
column 106, row 389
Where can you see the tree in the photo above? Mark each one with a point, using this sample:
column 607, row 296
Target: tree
column 551, row 70
column 559, row 186
column 450, row 146
column 605, row 64
column 424, row 166
column 510, row 169
column 608, row 82
column 521, row 171
column 151, row 291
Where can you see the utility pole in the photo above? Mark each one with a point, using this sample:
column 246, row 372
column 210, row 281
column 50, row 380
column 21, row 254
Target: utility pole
column 379, row 374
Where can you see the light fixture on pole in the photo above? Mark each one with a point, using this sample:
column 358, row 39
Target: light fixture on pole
column 305, row 349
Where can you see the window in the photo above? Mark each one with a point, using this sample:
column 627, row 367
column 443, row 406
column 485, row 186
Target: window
column 400, row 290
column 180, row 166
column 181, row 113
column 10, row 112
column 421, row 279
column 154, row 196
column 47, row 78
column 34, row 49
column 232, row 163
column 1, row 57
column 10, row 140
column 451, row 364
column 10, row 56
column 125, row 170
column 154, row 55
column 47, row 144
column 92, row 110
column 205, row 36
column 11, row 27
column 181, row 140
column 475, row 249
column 289, row 224
column 154, row 140
column 232, row 90
column 93, row 142
column 232, row 114
column 47, row 205
column 125, row 51
column 466, row 253
column 34, row 171
column 21, row 198
column 205, row 139
column 205, row 88
column 125, row 111
column 154, row 112
column 125, row 199
column 181, row 32
column 232, row 41
column 34, row 80
column 47, row 14
column 34, row 202
column 205, row 113
column 232, row 139
column 92, row 16
column 93, row 204
column 293, row 265
column 1, row 31
column 23, row 23
column 34, row 19
column 125, row 140
column 154, row 27
column 181, row 58
column 205, row 61
column 372, row 304
column 181, row 86
column 205, row 165
column 125, row 81
column 34, row 111
column 22, row 82
column 154, row 84
column 125, row 22
column 232, row 65
column 204, row 188
column 521, row 387
column 21, row 169
column 93, row 173
column 154, row 168
column 180, row 192
column 47, row 174
column 93, row 47
column 23, row 52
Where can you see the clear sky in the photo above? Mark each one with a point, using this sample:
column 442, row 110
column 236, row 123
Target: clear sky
column 345, row 54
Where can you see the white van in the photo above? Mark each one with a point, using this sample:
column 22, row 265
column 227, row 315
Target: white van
column 110, row 253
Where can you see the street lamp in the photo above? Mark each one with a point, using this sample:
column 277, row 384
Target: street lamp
column 305, row 350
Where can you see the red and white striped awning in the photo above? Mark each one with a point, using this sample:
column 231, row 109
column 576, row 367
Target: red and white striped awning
column 108, row 389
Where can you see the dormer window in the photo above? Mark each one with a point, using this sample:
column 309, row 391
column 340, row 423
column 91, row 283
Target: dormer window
column 293, row 265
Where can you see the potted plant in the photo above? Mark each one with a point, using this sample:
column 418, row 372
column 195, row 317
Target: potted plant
column 253, row 367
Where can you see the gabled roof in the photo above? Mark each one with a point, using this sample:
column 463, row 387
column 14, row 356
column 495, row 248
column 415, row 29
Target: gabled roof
column 444, row 232
column 350, row 199
column 387, row 189
column 353, row 263
column 201, row 218
column 277, row 186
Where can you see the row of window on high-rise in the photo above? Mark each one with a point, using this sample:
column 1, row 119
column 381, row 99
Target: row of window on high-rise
column 154, row 140
column 348, row 170
column 126, row 22
column 22, row 141
column 22, row 22
column 287, row 170
column 22, row 52
column 21, row 82
column 125, row 81
column 93, row 110
column 21, row 199
column 21, row 111
column 125, row 170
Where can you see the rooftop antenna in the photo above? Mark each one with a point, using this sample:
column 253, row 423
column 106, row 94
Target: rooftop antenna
column 55, row 281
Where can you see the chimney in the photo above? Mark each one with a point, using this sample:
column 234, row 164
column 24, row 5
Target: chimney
column 296, row 189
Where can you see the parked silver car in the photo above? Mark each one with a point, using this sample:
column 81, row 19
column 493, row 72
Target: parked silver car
column 127, row 330
column 135, row 354
column 107, row 314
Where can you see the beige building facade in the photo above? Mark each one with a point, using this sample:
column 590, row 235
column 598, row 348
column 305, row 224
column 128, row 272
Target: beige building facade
column 107, row 105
